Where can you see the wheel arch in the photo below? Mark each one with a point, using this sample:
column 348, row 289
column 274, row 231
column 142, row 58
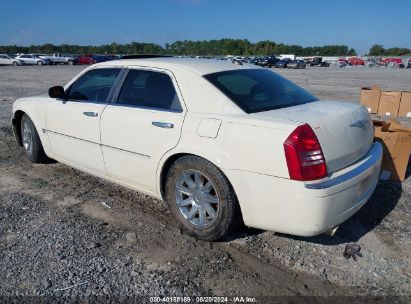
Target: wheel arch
column 16, row 122
column 165, row 166
column 35, row 111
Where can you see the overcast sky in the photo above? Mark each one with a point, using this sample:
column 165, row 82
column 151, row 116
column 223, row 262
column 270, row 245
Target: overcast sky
column 358, row 24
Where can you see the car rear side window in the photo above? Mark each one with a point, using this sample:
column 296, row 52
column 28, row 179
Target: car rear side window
column 258, row 90
column 94, row 86
column 149, row 89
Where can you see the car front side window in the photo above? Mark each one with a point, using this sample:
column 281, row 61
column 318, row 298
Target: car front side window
column 149, row 89
column 94, row 86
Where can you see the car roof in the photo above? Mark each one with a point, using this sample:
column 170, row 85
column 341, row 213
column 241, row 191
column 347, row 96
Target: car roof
column 199, row 66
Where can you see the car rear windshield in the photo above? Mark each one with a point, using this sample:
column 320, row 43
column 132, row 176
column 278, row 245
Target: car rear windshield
column 258, row 90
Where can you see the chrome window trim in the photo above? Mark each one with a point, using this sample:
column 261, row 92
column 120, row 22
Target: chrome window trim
column 152, row 109
column 114, row 100
column 110, row 93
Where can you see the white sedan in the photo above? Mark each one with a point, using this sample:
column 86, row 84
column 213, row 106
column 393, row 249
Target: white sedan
column 9, row 60
column 221, row 143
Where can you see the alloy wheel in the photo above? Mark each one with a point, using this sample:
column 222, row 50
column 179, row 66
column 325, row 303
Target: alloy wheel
column 197, row 198
column 27, row 138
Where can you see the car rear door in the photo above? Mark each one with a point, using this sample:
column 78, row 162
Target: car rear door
column 141, row 125
column 31, row 59
column 24, row 59
column 73, row 124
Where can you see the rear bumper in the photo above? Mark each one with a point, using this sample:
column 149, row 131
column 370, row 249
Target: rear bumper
column 306, row 209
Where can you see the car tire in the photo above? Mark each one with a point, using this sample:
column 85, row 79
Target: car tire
column 204, row 187
column 39, row 62
column 31, row 141
column 70, row 62
column 15, row 63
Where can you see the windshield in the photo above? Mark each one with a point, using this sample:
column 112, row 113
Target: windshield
column 258, row 90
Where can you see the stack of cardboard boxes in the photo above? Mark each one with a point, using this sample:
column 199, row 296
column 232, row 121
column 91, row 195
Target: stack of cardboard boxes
column 395, row 138
column 396, row 141
column 392, row 103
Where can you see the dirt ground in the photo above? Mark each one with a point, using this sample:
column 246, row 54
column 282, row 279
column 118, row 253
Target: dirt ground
column 64, row 233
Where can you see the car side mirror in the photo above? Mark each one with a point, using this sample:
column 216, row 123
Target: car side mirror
column 56, row 92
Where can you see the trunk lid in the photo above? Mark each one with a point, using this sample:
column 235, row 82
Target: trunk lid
column 344, row 129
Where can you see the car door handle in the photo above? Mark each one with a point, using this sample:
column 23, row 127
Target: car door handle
column 166, row 125
column 90, row 114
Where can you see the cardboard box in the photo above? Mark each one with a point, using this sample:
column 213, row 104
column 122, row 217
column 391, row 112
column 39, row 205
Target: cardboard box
column 396, row 141
column 389, row 103
column 405, row 105
column 370, row 98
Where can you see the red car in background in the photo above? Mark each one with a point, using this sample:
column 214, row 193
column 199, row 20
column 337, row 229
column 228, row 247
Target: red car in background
column 342, row 62
column 86, row 59
column 92, row 59
column 392, row 61
column 356, row 61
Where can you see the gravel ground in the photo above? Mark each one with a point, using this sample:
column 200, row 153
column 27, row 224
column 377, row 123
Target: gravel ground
column 59, row 239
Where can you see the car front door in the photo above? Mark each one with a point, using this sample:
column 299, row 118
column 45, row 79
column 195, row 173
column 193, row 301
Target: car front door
column 141, row 125
column 73, row 123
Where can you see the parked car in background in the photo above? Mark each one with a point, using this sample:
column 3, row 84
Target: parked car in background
column 32, row 59
column 371, row 62
column 85, row 59
column 391, row 61
column 409, row 64
column 254, row 60
column 244, row 145
column 92, row 59
column 267, row 62
column 48, row 62
column 296, row 64
column 317, row 61
column 6, row 59
column 58, row 58
column 282, row 63
column 99, row 58
column 356, row 61
column 115, row 57
column 342, row 62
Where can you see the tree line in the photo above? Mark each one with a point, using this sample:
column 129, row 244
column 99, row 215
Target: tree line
column 237, row 47
column 379, row 50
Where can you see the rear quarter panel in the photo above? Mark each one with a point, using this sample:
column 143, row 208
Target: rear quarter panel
column 255, row 148
column 239, row 145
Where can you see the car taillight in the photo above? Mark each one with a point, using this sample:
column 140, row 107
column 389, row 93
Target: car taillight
column 305, row 158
